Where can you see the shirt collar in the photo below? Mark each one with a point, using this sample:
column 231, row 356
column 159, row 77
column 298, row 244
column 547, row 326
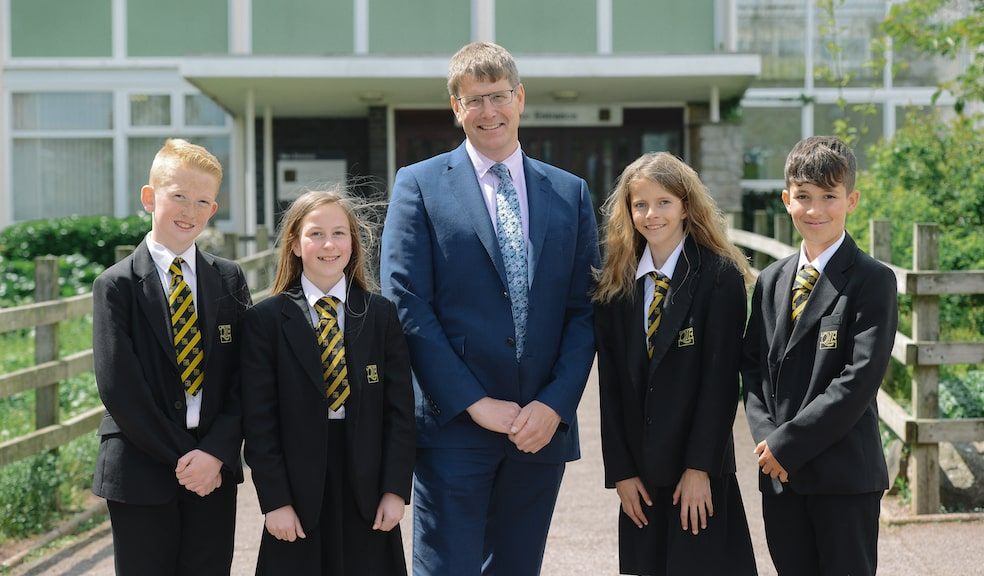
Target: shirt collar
column 312, row 293
column 821, row 261
column 163, row 257
column 646, row 262
column 483, row 163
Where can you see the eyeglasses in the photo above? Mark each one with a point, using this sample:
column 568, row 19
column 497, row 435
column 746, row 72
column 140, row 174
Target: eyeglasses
column 497, row 99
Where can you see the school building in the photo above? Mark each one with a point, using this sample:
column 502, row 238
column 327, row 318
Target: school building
column 294, row 93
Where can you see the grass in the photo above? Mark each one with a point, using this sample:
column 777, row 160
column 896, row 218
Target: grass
column 37, row 492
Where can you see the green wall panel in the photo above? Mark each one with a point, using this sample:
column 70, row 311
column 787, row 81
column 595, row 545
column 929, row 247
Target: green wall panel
column 663, row 26
column 404, row 27
column 60, row 28
column 547, row 26
column 307, row 27
column 177, row 27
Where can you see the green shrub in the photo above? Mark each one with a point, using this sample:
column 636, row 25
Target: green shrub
column 963, row 397
column 94, row 237
column 75, row 276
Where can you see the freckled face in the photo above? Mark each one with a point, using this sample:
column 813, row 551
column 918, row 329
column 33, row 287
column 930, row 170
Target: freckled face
column 181, row 205
column 819, row 214
column 657, row 215
column 324, row 245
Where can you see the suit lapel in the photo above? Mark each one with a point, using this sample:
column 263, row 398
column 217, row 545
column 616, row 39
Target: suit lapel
column 460, row 182
column 299, row 333
column 830, row 284
column 209, row 282
column 153, row 301
column 539, row 199
column 677, row 307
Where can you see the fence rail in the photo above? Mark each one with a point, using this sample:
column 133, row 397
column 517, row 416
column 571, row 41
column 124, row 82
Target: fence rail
column 49, row 369
column 922, row 430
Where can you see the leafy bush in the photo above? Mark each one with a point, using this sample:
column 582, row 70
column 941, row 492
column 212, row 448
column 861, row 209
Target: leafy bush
column 94, row 237
column 964, row 397
column 75, row 276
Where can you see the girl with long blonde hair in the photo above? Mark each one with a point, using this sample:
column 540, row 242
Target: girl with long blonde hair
column 669, row 316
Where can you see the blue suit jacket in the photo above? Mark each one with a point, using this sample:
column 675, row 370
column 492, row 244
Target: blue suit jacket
column 441, row 264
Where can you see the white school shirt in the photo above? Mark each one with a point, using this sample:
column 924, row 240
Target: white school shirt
column 645, row 267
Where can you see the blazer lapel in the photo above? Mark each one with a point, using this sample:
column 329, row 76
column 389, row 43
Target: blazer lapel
column 677, row 305
column 782, row 305
column 357, row 343
column 633, row 327
column 209, row 282
column 299, row 333
column 153, row 301
column 830, row 284
column 460, row 182
column 539, row 199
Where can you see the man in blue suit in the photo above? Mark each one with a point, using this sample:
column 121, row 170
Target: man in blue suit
column 488, row 255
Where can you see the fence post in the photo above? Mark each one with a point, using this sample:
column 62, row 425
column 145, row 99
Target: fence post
column 123, row 251
column 230, row 246
column 783, row 228
column 880, row 242
column 760, row 226
column 925, row 379
column 46, row 340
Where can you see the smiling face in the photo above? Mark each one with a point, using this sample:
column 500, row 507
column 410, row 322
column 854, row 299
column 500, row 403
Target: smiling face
column 324, row 245
column 493, row 131
column 819, row 214
column 181, row 204
column 658, row 216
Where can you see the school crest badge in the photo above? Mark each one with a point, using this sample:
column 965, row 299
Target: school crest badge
column 686, row 337
column 372, row 374
column 828, row 340
column 225, row 333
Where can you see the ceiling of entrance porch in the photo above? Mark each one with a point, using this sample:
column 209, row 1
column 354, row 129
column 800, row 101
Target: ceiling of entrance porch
column 347, row 85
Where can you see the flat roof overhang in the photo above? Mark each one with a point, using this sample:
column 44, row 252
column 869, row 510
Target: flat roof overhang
column 313, row 86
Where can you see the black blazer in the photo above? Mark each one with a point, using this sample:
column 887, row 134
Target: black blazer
column 675, row 412
column 143, row 431
column 810, row 388
column 285, row 409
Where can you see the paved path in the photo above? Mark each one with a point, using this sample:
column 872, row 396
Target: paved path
column 583, row 539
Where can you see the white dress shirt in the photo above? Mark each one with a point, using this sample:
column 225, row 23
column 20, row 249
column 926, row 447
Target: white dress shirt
column 645, row 267
column 820, row 262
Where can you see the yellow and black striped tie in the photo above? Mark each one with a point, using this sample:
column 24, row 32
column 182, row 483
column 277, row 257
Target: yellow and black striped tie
column 332, row 352
column 184, row 327
column 661, row 285
column 805, row 280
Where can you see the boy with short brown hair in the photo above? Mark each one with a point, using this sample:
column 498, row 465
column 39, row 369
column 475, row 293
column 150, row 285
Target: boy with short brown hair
column 816, row 348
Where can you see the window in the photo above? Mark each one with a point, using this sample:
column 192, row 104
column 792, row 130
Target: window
column 150, row 110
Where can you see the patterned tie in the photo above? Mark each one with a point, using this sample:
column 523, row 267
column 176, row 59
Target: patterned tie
column 805, row 280
column 332, row 352
column 512, row 245
column 660, row 286
column 184, row 327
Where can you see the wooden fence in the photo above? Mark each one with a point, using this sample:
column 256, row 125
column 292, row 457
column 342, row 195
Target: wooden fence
column 49, row 369
column 923, row 430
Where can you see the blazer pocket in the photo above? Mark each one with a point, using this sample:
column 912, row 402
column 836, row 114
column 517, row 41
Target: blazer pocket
column 458, row 345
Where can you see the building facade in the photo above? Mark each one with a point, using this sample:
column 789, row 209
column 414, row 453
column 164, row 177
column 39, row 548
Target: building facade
column 302, row 93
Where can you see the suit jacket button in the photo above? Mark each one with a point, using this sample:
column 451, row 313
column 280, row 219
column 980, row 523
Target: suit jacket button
column 178, row 404
column 511, row 342
column 505, row 295
column 649, row 421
